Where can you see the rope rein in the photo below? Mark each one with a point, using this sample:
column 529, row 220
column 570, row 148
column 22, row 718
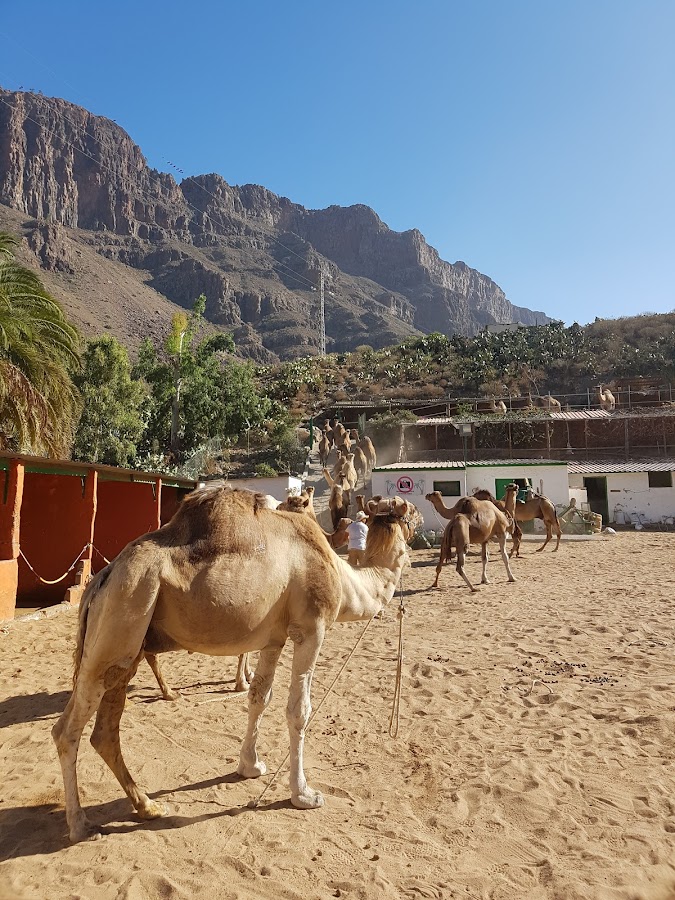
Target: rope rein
column 254, row 803
column 394, row 719
column 68, row 570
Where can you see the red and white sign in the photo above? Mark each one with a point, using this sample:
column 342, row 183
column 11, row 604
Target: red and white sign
column 405, row 484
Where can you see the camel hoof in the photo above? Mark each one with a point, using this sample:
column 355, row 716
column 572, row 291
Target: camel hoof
column 475, row 590
column 152, row 810
column 512, row 580
column 241, row 686
column 310, row 799
column 251, row 770
column 171, row 695
column 85, row 831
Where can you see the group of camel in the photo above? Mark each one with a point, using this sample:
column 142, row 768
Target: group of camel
column 226, row 576
column 482, row 518
column 355, row 459
column 604, row 398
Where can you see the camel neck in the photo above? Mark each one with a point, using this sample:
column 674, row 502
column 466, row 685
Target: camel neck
column 365, row 591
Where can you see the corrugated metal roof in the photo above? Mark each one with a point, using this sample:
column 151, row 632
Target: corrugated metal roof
column 543, row 416
column 407, row 466
column 604, row 466
column 568, row 415
column 471, row 464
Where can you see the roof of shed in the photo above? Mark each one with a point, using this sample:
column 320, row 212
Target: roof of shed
column 471, row 464
column 603, row 466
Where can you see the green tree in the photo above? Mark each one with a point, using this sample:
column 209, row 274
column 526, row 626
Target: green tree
column 113, row 419
column 39, row 349
column 198, row 392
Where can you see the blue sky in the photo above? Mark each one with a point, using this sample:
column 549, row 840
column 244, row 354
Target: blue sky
column 534, row 140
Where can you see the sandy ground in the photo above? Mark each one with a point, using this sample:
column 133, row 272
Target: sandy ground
column 535, row 756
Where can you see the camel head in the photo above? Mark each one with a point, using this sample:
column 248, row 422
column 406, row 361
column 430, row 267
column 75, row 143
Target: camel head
column 397, row 512
column 434, row 497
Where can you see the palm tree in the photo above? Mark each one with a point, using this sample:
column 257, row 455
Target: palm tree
column 39, row 404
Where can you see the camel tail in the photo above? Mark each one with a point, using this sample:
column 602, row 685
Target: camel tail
column 89, row 593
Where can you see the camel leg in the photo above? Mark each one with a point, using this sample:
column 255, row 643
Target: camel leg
column 460, row 569
column 485, row 556
column 244, row 674
column 105, row 739
column 505, row 556
column 439, row 567
column 305, row 654
column 259, row 696
column 548, row 536
column 167, row 693
column 558, row 534
column 66, row 733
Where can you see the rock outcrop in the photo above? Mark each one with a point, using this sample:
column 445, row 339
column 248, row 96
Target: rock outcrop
column 79, row 180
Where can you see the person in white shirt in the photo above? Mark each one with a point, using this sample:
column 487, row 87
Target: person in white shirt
column 356, row 547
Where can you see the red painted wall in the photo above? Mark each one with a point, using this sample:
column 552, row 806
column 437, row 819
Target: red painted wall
column 171, row 500
column 56, row 521
column 125, row 510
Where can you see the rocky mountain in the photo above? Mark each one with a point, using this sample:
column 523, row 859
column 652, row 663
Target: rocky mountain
column 121, row 244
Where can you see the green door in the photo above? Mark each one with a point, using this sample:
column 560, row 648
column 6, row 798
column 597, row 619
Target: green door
column 500, row 485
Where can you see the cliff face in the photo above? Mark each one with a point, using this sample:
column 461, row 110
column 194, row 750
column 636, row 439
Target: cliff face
column 78, row 180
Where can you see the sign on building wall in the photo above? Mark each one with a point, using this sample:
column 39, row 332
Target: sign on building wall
column 405, row 485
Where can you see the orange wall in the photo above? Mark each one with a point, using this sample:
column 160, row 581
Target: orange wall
column 57, row 514
column 125, row 510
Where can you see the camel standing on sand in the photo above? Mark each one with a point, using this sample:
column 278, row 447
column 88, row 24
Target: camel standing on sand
column 360, row 463
column 339, row 500
column 224, row 576
column 324, row 450
column 538, row 507
column 606, row 399
column 505, row 505
column 369, row 451
column 471, row 521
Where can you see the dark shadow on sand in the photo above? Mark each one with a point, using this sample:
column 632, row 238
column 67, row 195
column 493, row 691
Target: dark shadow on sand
column 32, row 707
column 31, row 830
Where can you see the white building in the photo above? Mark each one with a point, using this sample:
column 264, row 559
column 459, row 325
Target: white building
column 279, row 486
column 628, row 492
column 412, row 480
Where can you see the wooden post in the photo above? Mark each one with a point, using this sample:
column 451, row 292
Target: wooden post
column 83, row 572
column 626, row 439
column 548, row 439
column 9, row 538
column 510, row 442
column 158, row 501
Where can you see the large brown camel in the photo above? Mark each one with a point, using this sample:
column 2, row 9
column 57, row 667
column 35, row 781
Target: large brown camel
column 484, row 522
column 517, row 532
column 223, row 577
column 297, row 503
column 538, row 507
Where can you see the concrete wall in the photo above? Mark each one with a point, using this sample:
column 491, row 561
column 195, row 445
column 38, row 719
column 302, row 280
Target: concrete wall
column 630, row 493
column 551, row 480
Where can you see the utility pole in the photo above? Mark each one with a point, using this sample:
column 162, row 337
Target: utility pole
column 322, row 316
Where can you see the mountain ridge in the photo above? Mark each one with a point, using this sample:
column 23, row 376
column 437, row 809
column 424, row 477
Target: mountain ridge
column 79, row 181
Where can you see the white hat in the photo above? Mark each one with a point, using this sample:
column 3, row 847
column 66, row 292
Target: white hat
column 360, row 516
